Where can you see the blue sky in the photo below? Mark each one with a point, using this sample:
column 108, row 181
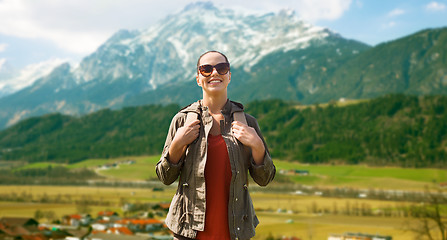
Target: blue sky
column 33, row 31
column 379, row 21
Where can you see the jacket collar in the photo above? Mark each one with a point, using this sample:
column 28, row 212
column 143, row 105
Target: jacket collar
column 229, row 108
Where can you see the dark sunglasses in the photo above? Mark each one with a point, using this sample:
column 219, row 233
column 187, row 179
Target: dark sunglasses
column 207, row 69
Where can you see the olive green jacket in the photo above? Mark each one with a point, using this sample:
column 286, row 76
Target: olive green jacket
column 186, row 214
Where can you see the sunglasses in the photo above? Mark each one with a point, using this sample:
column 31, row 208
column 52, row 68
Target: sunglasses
column 207, row 69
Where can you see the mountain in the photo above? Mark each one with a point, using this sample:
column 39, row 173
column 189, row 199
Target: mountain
column 272, row 55
column 414, row 65
column 157, row 65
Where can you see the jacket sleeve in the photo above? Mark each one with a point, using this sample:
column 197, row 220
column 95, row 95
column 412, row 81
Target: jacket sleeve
column 264, row 173
column 166, row 171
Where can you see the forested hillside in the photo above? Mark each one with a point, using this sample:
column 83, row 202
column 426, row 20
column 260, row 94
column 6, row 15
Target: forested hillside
column 106, row 133
column 392, row 130
column 395, row 130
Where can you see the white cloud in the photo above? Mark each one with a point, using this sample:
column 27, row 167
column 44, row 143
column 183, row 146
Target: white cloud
column 359, row 3
column 396, row 12
column 3, row 46
column 21, row 19
column 390, row 24
column 2, row 61
column 80, row 26
column 435, row 6
column 309, row 10
column 322, row 9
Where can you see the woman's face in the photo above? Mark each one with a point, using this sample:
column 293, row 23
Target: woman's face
column 215, row 83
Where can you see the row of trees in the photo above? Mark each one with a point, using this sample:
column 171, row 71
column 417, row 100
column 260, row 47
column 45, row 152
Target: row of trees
column 50, row 175
column 56, row 199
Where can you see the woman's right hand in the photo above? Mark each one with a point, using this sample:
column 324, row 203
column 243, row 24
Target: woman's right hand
column 184, row 136
column 187, row 134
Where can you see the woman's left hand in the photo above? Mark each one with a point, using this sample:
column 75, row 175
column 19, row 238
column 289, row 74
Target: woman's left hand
column 249, row 137
column 246, row 134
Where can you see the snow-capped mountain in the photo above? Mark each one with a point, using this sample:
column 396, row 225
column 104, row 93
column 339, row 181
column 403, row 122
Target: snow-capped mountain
column 13, row 80
column 168, row 51
column 136, row 65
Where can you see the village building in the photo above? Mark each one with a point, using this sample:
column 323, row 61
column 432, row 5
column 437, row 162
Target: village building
column 293, row 172
column 107, row 226
column 77, row 220
column 358, row 236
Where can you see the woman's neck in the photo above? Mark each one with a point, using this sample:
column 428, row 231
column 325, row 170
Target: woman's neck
column 215, row 103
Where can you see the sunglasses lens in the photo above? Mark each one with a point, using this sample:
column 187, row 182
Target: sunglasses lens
column 206, row 70
column 222, row 68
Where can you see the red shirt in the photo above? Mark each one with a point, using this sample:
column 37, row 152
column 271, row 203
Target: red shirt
column 217, row 181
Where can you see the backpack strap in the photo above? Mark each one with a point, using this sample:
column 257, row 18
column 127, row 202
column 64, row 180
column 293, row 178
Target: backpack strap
column 191, row 117
column 240, row 117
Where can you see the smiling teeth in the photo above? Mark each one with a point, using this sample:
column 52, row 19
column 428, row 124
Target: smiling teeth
column 215, row 81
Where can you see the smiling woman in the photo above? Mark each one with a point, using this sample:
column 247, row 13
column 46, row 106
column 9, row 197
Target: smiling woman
column 212, row 149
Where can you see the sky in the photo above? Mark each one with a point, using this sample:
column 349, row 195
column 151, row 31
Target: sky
column 33, row 32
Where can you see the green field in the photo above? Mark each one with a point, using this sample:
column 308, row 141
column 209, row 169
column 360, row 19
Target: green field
column 361, row 176
column 354, row 176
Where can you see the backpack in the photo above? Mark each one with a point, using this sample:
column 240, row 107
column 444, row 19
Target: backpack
column 237, row 116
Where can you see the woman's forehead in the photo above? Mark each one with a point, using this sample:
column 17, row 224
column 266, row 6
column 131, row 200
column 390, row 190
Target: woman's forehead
column 212, row 58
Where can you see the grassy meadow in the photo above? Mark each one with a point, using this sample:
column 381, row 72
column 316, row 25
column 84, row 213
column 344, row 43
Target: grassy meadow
column 355, row 176
column 281, row 213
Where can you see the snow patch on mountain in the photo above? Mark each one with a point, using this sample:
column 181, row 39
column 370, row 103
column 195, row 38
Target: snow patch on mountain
column 27, row 76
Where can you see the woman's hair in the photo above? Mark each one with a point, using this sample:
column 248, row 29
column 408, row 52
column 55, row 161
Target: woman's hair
column 212, row 51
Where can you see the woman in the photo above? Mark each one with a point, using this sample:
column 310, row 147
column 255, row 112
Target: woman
column 212, row 155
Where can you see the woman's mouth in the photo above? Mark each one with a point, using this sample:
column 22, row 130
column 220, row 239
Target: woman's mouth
column 215, row 81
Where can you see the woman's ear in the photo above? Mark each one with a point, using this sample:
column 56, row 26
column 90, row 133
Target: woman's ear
column 199, row 83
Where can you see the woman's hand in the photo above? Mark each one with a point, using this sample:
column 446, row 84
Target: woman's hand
column 187, row 134
column 249, row 137
column 184, row 136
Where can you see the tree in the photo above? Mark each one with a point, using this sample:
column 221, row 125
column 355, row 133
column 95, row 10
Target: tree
column 430, row 216
column 83, row 205
column 38, row 214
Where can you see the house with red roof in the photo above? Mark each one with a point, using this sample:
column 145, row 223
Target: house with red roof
column 141, row 225
column 108, row 215
column 77, row 220
column 120, row 230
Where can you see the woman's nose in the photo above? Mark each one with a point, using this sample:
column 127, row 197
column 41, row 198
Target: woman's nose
column 214, row 71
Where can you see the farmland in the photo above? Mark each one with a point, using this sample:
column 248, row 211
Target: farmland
column 282, row 211
column 293, row 219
